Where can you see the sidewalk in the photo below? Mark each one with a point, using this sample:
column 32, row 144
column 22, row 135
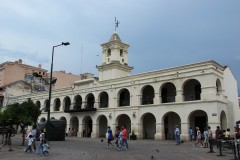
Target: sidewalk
column 93, row 149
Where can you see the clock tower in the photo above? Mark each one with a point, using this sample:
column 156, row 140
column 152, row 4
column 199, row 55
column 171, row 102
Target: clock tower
column 114, row 59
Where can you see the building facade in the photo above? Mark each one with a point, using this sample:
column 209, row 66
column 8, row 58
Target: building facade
column 149, row 104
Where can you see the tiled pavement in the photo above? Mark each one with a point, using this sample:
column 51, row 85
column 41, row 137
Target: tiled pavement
column 93, row 149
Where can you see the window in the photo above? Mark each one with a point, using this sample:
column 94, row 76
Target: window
column 109, row 52
column 121, row 52
column 122, row 60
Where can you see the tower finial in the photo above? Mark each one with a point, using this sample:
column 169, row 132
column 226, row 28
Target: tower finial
column 116, row 23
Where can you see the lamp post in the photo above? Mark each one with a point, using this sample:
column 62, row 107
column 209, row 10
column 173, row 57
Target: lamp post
column 50, row 85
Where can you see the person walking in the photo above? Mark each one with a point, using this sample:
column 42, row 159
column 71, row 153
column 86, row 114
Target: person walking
column 210, row 139
column 124, row 138
column 110, row 137
column 177, row 135
column 41, row 139
column 117, row 132
column 45, row 147
column 198, row 137
column 219, row 136
column 191, row 133
column 30, row 142
column 205, row 133
column 34, row 136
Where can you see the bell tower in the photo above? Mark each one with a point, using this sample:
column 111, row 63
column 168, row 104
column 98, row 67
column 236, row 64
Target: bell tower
column 114, row 59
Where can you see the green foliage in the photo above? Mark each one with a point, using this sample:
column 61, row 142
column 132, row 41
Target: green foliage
column 25, row 113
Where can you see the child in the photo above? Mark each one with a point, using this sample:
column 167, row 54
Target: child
column 45, row 147
column 30, row 142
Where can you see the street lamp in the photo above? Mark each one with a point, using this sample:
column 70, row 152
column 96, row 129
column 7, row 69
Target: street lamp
column 50, row 85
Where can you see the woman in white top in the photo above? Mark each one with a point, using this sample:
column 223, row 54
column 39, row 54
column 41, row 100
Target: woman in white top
column 198, row 137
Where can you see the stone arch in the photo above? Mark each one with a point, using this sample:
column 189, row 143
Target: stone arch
column 198, row 118
column 104, row 99
column 103, row 123
column 38, row 104
column 218, row 86
column 192, row 90
column 74, row 125
column 171, row 119
column 124, row 97
column 148, row 95
column 168, row 92
column 46, row 105
column 87, row 125
column 223, row 120
column 77, row 102
column 124, row 119
column 56, row 104
column 66, row 103
column 90, row 99
column 42, row 120
column 148, row 123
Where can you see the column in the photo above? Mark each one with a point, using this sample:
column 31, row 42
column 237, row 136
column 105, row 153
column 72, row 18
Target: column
column 184, row 131
column 157, row 98
column 95, row 131
column 179, row 96
column 159, row 131
column 80, row 130
column 97, row 104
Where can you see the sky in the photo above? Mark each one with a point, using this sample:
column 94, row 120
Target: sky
column 161, row 33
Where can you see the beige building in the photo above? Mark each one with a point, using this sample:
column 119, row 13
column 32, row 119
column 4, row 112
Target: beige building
column 150, row 104
column 19, row 74
column 16, row 79
column 67, row 79
column 14, row 71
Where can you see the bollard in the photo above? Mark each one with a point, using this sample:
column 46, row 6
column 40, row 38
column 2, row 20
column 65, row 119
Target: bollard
column 238, row 150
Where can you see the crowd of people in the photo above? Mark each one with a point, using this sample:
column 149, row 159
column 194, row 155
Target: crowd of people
column 120, row 140
column 206, row 138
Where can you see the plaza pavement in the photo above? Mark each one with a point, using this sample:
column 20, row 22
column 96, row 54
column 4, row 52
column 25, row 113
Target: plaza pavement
column 74, row 148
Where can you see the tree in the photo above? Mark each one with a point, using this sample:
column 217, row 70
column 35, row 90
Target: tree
column 22, row 115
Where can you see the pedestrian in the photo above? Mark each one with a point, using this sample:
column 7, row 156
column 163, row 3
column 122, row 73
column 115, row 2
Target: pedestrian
column 84, row 132
column 227, row 134
column 45, row 147
column 205, row 133
column 110, row 137
column 30, row 142
column 41, row 138
column 34, row 136
column 191, row 133
column 8, row 141
column 198, row 137
column 88, row 132
column 73, row 132
column 124, row 138
column 117, row 132
column 210, row 139
column 177, row 135
column 219, row 136
column 69, row 132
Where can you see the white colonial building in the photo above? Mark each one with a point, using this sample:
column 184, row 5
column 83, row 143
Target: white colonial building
column 149, row 104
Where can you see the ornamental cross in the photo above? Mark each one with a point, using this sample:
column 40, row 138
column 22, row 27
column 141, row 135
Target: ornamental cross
column 116, row 23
